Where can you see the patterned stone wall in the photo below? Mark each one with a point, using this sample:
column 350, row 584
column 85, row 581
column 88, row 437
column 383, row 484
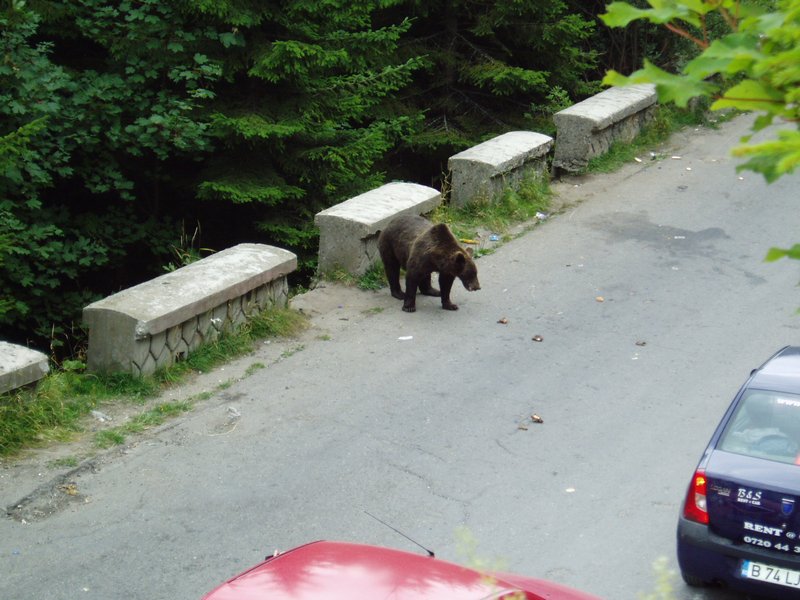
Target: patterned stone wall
column 153, row 352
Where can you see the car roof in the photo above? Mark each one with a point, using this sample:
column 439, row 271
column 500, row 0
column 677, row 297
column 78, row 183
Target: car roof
column 344, row 571
column 780, row 373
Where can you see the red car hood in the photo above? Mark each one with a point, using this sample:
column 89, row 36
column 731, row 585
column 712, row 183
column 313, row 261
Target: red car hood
column 343, row 571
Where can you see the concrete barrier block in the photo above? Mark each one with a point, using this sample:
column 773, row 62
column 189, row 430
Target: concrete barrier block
column 481, row 172
column 349, row 231
column 20, row 366
column 588, row 128
column 142, row 328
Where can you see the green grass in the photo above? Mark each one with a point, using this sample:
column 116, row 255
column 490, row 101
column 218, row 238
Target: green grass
column 513, row 206
column 145, row 420
column 373, row 279
column 55, row 409
column 66, row 462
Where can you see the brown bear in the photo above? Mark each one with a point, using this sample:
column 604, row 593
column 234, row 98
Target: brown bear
column 420, row 247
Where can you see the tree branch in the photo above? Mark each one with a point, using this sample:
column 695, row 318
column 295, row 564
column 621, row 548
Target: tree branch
column 683, row 33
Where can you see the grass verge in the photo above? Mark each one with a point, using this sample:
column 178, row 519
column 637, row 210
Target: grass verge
column 514, row 206
column 55, row 409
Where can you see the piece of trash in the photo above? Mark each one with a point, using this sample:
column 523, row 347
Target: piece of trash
column 675, row 157
column 570, row 490
column 494, row 238
column 102, row 417
column 688, row 168
column 15, row 552
column 522, row 426
column 537, row 338
column 541, row 216
column 600, row 299
column 741, row 178
column 653, row 156
column 404, row 338
column 536, row 418
column 503, row 321
column 233, row 413
column 679, row 237
column 469, row 241
column 637, row 159
column 641, row 343
column 70, row 489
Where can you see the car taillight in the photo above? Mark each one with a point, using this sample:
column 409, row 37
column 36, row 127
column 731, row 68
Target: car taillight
column 695, row 508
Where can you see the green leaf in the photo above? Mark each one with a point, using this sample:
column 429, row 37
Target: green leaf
column 621, row 14
column 671, row 88
column 751, row 95
column 732, row 54
column 777, row 253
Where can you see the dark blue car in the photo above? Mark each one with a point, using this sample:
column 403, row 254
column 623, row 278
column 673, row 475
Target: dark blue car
column 740, row 520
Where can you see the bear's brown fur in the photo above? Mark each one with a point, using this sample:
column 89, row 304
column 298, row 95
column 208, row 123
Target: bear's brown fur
column 415, row 244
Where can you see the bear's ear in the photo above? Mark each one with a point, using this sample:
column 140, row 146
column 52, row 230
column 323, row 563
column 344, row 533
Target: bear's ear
column 441, row 233
column 460, row 260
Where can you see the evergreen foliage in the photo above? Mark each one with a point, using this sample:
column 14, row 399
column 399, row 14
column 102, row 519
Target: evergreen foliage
column 91, row 119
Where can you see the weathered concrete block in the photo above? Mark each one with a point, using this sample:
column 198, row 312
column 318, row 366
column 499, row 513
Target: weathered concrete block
column 145, row 327
column 587, row 129
column 481, row 172
column 349, row 230
column 20, row 366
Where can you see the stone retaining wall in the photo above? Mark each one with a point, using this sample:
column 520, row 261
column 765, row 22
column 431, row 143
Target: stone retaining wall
column 483, row 171
column 587, row 129
column 159, row 322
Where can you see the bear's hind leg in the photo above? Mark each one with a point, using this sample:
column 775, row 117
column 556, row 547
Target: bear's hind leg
column 391, row 267
column 410, row 301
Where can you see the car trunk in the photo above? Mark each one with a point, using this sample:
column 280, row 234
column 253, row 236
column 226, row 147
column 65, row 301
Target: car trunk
column 763, row 515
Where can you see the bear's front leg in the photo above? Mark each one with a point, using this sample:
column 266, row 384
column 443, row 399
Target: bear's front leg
column 446, row 284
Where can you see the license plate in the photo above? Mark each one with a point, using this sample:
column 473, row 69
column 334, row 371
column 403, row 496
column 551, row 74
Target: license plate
column 770, row 574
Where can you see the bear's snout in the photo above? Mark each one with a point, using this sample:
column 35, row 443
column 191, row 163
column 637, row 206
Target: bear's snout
column 472, row 286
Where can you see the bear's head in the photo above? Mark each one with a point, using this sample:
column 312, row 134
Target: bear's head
column 466, row 270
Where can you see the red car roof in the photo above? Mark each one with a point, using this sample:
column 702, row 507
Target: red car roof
column 344, row 571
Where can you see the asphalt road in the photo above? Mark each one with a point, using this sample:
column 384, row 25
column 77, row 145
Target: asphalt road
column 653, row 303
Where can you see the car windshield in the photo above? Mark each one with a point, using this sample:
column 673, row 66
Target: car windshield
column 766, row 425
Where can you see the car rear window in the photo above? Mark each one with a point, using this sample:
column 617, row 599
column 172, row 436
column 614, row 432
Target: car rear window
column 766, row 424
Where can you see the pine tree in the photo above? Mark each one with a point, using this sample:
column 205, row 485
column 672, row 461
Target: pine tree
column 301, row 122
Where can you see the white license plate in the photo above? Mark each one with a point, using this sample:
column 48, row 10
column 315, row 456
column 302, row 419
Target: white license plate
column 770, row 574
